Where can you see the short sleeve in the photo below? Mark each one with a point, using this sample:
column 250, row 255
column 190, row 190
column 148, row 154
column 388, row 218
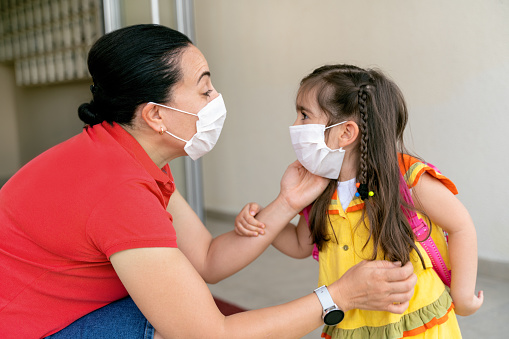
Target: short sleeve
column 131, row 215
column 413, row 169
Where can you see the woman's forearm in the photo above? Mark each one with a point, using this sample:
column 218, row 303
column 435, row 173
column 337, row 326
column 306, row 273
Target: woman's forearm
column 291, row 320
column 173, row 297
column 229, row 252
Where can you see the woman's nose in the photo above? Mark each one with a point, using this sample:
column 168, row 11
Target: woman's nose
column 214, row 94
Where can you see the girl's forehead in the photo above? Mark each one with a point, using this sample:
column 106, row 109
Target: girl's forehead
column 307, row 96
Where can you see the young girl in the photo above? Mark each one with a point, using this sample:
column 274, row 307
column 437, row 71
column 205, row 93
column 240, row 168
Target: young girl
column 349, row 128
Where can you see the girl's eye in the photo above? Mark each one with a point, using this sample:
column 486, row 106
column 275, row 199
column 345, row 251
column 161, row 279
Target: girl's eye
column 304, row 116
column 207, row 94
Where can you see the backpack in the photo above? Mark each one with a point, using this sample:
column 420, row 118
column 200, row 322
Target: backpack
column 421, row 231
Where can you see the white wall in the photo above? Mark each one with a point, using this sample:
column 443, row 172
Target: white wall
column 450, row 58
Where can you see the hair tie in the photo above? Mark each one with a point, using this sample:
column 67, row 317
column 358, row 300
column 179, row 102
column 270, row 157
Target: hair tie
column 363, row 191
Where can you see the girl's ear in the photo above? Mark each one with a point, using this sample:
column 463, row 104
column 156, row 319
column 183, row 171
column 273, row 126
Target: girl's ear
column 349, row 134
column 150, row 114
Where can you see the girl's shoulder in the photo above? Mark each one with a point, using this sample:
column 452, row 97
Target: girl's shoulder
column 413, row 168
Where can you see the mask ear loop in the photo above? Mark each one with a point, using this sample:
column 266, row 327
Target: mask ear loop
column 339, row 123
column 176, row 137
column 175, row 109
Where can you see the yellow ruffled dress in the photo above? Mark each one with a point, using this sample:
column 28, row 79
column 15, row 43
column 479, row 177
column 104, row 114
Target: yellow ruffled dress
column 431, row 311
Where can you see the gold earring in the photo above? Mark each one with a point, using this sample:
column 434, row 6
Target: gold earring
column 161, row 131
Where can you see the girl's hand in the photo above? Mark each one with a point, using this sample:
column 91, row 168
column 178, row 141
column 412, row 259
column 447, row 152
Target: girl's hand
column 299, row 187
column 468, row 307
column 246, row 224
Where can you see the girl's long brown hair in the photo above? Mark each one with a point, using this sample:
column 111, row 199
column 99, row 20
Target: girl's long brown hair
column 377, row 105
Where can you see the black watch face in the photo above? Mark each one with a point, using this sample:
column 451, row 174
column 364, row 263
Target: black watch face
column 333, row 317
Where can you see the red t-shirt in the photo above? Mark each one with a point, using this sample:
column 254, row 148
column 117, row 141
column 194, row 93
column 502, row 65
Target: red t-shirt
column 63, row 215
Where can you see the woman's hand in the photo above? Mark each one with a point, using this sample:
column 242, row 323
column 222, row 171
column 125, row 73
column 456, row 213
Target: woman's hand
column 245, row 222
column 375, row 285
column 467, row 306
column 299, row 187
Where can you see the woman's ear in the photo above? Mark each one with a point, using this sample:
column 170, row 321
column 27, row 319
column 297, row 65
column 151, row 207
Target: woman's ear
column 150, row 114
column 349, row 133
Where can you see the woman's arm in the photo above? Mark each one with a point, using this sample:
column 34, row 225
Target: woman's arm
column 432, row 197
column 176, row 301
column 218, row 258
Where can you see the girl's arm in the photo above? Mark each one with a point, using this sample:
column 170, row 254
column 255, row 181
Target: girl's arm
column 441, row 206
column 295, row 241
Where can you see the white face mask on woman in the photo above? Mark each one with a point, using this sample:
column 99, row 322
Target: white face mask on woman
column 208, row 127
column 308, row 142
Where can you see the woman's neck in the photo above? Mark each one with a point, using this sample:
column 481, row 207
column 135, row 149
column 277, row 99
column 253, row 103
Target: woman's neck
column 151, row 142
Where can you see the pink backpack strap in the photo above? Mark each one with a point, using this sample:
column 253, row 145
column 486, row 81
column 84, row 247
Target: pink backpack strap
column 305, row 212
column 421, row 231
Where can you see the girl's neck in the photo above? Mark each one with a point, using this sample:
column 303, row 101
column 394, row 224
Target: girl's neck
column 349, row 167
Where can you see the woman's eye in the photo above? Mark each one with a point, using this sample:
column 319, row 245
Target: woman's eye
column 304, row 116
column 208, row 93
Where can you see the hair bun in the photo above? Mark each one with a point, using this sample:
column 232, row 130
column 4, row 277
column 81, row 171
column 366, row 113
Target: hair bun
column 88, row 114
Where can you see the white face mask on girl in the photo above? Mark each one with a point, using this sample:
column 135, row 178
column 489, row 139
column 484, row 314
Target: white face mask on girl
column 208, row 127
column 308, row 142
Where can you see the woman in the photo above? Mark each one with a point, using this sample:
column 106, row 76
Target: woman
column 100, row 230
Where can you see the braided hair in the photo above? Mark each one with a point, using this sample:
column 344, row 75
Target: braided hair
column 376, row 104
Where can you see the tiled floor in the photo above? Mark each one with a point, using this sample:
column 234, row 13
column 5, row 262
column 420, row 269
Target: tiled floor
column 274, row 279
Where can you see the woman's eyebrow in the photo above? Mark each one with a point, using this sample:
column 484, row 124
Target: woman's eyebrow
column 202, row 75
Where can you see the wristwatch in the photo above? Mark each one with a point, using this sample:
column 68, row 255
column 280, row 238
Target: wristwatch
column 332, row 314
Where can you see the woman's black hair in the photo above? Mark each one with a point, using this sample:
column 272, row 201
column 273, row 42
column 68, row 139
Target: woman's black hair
column 130, row 66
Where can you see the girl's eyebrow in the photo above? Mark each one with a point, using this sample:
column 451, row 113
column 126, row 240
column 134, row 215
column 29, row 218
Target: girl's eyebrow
column 304, row 109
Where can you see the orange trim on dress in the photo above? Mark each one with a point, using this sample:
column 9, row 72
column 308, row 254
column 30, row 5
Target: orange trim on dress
column 355, row 208
column 416, row 331
column 432, row 323
column 406, row 162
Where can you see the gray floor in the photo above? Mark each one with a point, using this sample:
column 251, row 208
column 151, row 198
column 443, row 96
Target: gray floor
column 274, row 279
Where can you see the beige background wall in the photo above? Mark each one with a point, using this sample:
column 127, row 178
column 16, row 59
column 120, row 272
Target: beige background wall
column 450, row 58
column 47, row 115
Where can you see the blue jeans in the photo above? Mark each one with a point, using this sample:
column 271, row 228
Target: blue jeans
column 121, row 319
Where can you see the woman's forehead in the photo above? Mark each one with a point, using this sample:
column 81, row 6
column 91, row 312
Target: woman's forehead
column 194, row 65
